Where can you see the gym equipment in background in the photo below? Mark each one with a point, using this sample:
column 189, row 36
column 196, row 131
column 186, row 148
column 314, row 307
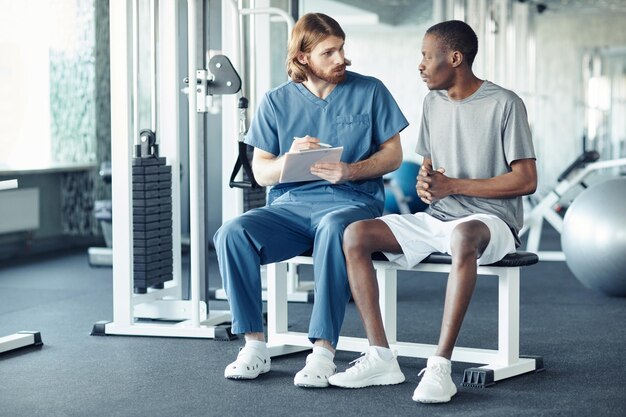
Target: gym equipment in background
column 246, row 40
column 8, row 184
column 103, row 212
column 594, row 237
column 243, row 158
column 243, row 192
column 20, row 339
column 160, row 311
column 569, row 184
column 152, row 216
column 400, row 193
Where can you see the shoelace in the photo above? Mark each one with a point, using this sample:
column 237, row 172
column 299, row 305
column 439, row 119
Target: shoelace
column 359, row 363
column 435, row 374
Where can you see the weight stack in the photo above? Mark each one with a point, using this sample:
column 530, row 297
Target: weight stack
column 152, row 223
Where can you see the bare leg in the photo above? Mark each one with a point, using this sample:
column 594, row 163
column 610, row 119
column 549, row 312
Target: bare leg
column 360, row 240
column 468, row 241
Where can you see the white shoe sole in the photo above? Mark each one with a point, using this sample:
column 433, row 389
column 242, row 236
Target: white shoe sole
column 310, row 382
column 370, row 382
column 434, row 400
column 307, row 385
column 248, row 376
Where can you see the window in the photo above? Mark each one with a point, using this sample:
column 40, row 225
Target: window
column 47, row 69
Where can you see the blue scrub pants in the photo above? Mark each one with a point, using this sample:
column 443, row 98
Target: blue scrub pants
column 281, row 231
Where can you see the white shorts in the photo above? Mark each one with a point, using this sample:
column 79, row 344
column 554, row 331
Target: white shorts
column 421, row 234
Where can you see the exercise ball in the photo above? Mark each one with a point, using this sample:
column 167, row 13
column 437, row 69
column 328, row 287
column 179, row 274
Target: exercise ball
column 594, row 237
column 401, row 184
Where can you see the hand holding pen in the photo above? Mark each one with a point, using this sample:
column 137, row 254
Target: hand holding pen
column 307, row 143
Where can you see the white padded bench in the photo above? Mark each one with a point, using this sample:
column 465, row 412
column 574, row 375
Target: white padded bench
column 505, row 362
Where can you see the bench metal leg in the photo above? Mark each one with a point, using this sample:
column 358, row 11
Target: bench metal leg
column 508, row 315
column 277, row 313
column 507, row 362
column 388, row 293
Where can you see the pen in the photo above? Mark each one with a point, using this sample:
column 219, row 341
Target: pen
column 321, row 144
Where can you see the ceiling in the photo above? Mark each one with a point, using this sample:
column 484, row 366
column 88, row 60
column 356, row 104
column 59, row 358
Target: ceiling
column 400, row 12
column 396, row 12
column 583, row 6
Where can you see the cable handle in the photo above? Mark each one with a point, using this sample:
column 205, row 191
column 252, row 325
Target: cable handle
column 243, row 124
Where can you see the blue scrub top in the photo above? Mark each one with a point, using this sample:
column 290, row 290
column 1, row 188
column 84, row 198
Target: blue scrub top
column 359, row 114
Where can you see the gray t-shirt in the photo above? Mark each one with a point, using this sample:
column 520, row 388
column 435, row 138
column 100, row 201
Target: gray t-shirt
column 477, row 137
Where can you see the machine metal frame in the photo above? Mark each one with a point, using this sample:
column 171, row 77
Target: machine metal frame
column 159, row 312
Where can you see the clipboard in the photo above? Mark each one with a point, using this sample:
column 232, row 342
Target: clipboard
column 297, row 166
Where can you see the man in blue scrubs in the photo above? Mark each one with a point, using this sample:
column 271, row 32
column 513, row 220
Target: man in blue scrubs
column 322, row 103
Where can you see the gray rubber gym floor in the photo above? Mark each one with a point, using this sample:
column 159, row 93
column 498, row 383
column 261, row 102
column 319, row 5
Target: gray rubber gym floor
column 579, row 333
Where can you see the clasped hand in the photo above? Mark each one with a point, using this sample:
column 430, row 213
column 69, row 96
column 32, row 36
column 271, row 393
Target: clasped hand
column 432, row 185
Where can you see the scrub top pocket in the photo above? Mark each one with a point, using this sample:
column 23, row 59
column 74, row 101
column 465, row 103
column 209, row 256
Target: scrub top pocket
column 355, row 126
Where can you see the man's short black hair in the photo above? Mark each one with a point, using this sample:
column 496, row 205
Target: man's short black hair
column 457, row 36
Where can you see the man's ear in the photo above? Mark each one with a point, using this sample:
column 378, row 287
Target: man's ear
column 302, row 58
column 456, row 58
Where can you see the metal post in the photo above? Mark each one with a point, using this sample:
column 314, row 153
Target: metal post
column 196, row 163
column 122, row 67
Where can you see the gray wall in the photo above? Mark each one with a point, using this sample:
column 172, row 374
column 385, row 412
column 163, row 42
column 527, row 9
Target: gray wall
column 562, row 38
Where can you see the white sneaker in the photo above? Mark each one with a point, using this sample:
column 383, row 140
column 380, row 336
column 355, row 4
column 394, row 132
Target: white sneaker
column 316, row 372
column 436, row 385
column 370, row 369
column 250, row 363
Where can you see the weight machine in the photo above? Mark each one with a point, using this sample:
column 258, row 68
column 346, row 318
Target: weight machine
column 160, row 310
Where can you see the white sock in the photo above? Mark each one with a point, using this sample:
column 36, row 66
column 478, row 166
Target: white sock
column 258, row 345
column 384, row 353
column 318, row 350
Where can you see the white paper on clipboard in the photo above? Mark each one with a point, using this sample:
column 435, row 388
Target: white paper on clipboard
column 297, row 166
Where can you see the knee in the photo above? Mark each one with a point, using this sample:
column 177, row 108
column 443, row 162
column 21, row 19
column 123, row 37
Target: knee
column 355, row 238
column 332, row 225
column 227, row 233
column 331, row 231
column 469, row 239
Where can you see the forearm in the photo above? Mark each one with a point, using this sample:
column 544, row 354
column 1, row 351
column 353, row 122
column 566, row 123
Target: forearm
column 267, row 171
column 387, row 159
column 375, row 166
column 507, row 185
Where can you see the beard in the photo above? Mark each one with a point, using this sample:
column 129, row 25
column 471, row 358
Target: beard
column 333, row 76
